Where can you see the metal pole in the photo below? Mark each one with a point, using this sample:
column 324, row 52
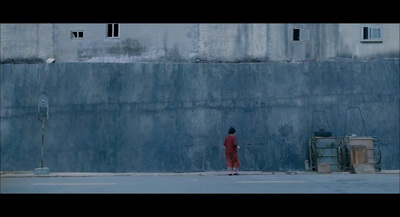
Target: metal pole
column 42, row 141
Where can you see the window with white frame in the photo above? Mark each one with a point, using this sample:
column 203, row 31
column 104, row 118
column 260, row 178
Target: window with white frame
column 371, row 34
column 113, row 30
column 77, row 34
column 300, row 34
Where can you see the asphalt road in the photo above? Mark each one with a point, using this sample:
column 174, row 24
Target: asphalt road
column 306, row 183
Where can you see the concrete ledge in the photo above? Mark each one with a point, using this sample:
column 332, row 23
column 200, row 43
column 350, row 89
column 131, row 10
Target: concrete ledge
column 41, row 171
column 28, row 174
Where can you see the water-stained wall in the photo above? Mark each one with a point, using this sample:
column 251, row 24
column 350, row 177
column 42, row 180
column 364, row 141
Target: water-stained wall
column 197, row 42
column 173, row 117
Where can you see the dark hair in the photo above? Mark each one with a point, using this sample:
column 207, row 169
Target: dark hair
column 232, row 130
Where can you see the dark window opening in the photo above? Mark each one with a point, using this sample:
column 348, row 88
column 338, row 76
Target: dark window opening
column 373, row 34
column 116, row 30
column 365, row 33
column 113, row 30
column 109, row 30
column 296, row 34
column 77, row 34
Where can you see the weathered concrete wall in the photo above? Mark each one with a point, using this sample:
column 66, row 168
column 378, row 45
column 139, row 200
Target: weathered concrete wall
column 26, row 40
column 136, row 43
column 144, row 117
column 198, row 42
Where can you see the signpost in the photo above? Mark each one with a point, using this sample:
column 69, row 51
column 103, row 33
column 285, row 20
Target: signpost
column 43, row 116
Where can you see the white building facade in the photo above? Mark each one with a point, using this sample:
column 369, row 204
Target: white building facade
column 164, row 42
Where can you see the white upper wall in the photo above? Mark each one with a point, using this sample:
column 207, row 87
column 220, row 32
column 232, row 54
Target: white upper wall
column 352, row 45
column 136, row 42
column 26, row 41
column 199, row 42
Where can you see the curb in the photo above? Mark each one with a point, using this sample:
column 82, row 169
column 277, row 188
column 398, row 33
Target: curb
column 27, row 174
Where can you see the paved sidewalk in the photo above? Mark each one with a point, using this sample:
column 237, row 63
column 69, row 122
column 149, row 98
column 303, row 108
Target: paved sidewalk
column 258, row 182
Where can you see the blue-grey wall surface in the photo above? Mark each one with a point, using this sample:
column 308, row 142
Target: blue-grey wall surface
column 173, row 117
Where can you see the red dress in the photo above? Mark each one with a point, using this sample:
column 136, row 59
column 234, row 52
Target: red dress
column 231, row 153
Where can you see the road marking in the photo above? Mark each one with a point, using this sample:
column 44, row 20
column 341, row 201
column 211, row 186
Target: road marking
column 271, row 181
column 74, row 183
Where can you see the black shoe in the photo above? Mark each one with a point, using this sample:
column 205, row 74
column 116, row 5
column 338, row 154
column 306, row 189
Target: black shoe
column 236, row 174
column 229, row 174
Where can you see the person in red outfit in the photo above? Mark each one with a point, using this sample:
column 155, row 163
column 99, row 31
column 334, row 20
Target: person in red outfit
column 231, row 152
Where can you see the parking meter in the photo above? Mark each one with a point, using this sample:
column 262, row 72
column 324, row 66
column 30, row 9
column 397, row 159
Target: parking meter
column 43, row 115
column 43, row 108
